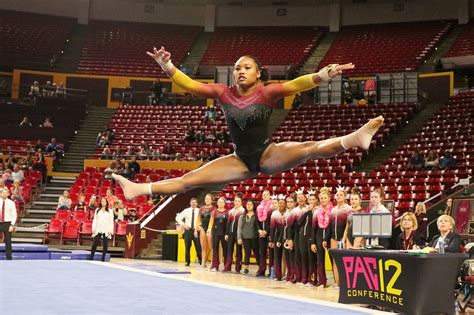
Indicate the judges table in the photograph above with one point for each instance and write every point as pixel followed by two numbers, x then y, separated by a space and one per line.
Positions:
pixel 404 282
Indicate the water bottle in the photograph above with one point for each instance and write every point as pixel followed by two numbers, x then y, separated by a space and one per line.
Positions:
pixel 441 246
pixel 340 245
pixel 272 273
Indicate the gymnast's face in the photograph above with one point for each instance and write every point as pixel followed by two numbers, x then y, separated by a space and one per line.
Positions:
pixel 246 72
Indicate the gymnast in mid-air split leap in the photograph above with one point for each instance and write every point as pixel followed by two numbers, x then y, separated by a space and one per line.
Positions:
pixel 248 106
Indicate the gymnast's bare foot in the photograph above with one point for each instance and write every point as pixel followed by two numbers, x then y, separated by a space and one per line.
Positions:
pixel 130 189
pixel 363 136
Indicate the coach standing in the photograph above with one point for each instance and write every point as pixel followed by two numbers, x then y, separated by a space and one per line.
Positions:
pixel 187 220
pixel 7 220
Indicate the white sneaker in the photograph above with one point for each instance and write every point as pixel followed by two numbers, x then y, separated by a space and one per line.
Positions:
pixel 213 269
pixel 308 285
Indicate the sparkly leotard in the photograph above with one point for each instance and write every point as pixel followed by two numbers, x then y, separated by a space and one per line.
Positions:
pixel 247 116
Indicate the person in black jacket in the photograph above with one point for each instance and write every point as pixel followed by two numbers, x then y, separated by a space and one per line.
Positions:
pixel 277 226
pixel 447 241
pixel 305 226
pixel 231 235
pixel 410 238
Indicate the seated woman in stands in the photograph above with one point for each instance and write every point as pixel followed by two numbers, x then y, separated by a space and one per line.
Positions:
pixel 248 106
pixel 410 238
pixel 64 201
pixel 16 191
pixel 81 203
pixel 447 241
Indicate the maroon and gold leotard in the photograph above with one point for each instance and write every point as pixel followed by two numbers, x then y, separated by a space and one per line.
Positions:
pixel 247 116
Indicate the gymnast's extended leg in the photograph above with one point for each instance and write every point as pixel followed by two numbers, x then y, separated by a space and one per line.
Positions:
pixel 283 156
pixel 224 170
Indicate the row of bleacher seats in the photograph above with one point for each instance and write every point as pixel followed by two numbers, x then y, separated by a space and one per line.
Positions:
pixel 464 44
pixel 380 48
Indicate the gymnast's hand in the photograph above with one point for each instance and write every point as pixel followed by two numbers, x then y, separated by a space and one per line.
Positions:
pixel 333 70
pixel 162 57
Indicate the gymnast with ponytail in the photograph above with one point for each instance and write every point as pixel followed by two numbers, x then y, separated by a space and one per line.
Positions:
pixel 248 106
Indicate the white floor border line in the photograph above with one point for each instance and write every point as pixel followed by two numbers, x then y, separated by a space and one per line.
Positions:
pixel 231 287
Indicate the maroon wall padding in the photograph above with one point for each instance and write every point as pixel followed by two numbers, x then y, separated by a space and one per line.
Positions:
pixel 98 88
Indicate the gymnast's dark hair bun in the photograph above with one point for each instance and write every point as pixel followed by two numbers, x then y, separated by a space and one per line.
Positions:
pixel 355 190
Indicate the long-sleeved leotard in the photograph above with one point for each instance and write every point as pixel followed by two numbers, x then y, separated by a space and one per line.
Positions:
pixel 247 116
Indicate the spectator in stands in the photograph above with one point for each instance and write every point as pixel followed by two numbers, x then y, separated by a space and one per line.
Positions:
pixel 47 123
pixel 190 156
pixel 102 227
pixel 199 136
pixel 297 101
pixel 127 96
pixel 432 160
pixel 100 139
pixel 222 137
pixel 210 115
pixel 81 204
pixel 447 162
pixel 61 90
pixel 111 198
pixel 7 176
pixel 190 135
pixel 134 165
pixel 209 137
pixel 145 152
pixel 11 161
pixel 132 215
pixel 2 184
pixel 25 122
pixel 106 154
pixel 34 92
pixel 421 218
pixel 117 154
pixel 93 204
pixel 156 155
pixel 16 192
pixel 27 162
pixel 129 153
pixel 447 241
pixel 416 162
pixel 410 238
pixel 64 201
pixel 127 172
pixel 156 92
pixel 449 207
pixel 202 156
pixel 39 164
pixel 111 169
pixel 212 155
pixel 168 150
pixel 17 173
pixel 48 90
pixel 118 213
pixel 53 146
pixel 29 149
pixel 39 146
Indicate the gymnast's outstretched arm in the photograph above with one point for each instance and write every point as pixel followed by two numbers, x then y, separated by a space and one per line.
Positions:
pixel 163 58
pixel 304 82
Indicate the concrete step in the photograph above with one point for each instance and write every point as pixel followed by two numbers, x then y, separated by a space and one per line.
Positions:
pixel 36 233
pixel 50 195
pixel 27 240
pixel 52 189
pixel 56 179
pixel 33 221
pixel 42 211
pixel 45 203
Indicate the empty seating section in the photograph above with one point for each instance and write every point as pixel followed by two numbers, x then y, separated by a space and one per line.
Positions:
pixel 32 38
pixel 119 48
pixel 383 48
pixel 135 124
pixel 464 44
pixel 450 129
pixel 272 45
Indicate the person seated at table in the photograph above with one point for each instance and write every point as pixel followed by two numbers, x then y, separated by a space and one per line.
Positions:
pixel 410 238
pixel 447 239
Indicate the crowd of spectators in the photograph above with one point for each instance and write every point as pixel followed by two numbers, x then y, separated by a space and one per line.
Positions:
pixel 47 90
pixel 431 161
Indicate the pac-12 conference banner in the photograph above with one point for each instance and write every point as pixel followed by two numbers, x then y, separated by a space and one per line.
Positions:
pixel 412 284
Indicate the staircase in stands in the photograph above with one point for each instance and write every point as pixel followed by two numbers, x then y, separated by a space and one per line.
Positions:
pixel 84 142
pixel 41 211
pixel 318 54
